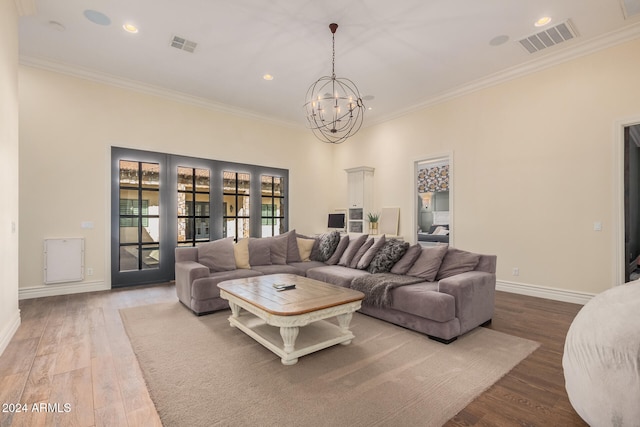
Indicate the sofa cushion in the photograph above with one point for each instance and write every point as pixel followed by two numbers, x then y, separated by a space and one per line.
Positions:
pixel 217 255
pixel 315 252
pixel 371 253
pixel 206 287
pixel 335 274
pixel 278 247
pixel 358 256
pixel 305 246
pixel 428 263
pixel 259 251
pixel 404 264
pixel 241 253
pixel 424 300
pixel 351 250
pixel 307 265
pixel 342 246
pixel 292 246
pixel 457 261
pixel 327 245
pixel 387 256
pixel 278 269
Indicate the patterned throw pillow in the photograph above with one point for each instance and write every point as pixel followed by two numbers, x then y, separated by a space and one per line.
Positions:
pixel 387 256
pixel 328 244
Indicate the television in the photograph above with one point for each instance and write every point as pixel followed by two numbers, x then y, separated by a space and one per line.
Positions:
pixel 336 221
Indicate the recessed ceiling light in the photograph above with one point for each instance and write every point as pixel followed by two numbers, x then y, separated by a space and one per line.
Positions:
pixel 97 17
pixel 542 21
pixel 267 77
pixel 130 28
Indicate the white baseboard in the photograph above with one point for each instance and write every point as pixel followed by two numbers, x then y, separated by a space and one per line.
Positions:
pixel 544 292
pixel 61 289
pixel 9 331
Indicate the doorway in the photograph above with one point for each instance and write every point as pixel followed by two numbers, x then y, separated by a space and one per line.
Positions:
pixel 631 168
pixel 433 191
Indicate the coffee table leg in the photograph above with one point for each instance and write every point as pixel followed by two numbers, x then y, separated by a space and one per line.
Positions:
pixel 289 335
pixel 235 310
pixel 344 320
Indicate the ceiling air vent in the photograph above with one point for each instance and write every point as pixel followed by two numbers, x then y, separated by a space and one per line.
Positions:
pixel 549 37
pixel 183 44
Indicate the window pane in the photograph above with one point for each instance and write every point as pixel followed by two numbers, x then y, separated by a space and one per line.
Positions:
pixel 150 256
pixel 128 258
pixel 150 199
pixel 150 175
pixel 185 179
pixel 244 183
pixel 202 228
pixel 185 229
pixel 278 207
pixel 278 184
pixel 128 173
pixel 243 228
pixel 203 180
pixel 129 233
pixel 229 182
pixel 230 205
pixel 266 185
pixel 243 206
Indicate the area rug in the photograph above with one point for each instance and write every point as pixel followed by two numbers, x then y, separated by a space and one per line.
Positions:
pixel 202 372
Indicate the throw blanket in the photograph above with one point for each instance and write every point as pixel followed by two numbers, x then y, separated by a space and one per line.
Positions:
pixel 377 287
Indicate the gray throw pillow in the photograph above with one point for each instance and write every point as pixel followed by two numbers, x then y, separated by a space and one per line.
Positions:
pixel 217 255
pixel 373 250
pixel 342 246
pixel 327 246
pixel 428 262
pixel 352 249
pixel 407 260
pixel 293 253
pixel 358 256
pixel 457 261
pixel 259 251
pixel 387 256
pixel 278 248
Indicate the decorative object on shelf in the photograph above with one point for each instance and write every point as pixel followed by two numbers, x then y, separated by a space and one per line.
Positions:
pixel 333 105
pixel 373 222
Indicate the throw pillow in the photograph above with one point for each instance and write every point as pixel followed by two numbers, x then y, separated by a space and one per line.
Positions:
pixel 327 246
pixel 315 252
pixel 342 245
pixel 358 256
pixel 428 262
pixel 241 253
pixel 352 249
pixel 407 260
pixel 293 253
pixel 373 250
pixel 217 255
pixel 259 251
pixel 305 246
pixel 457 261
pixel 387 256
pixel 278 247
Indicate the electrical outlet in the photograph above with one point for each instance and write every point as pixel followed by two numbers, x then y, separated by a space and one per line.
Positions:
pixel 89 271
pixel 516 271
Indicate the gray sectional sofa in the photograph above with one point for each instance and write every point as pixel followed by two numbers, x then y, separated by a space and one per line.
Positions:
pixel 440 291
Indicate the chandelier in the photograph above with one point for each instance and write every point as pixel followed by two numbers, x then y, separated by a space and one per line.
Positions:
pixel 333 106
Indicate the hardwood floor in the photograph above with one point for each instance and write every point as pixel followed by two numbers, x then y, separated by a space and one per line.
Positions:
pixel 73 349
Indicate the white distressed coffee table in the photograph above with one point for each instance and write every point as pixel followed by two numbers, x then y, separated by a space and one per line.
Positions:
pixel 291 323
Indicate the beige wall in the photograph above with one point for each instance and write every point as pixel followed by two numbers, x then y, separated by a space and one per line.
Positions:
pixel 68 125
pixel 533 163
pixel 9 313
pixel 533 167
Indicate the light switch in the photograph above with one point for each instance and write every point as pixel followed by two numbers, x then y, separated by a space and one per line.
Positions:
pixel 87 224
pixel 597 226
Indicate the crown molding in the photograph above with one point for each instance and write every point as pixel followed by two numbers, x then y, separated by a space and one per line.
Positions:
pixel 137 86
pixel 26 7
pixel 575 51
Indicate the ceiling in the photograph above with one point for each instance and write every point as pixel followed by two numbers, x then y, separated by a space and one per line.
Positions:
pixel 402 55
